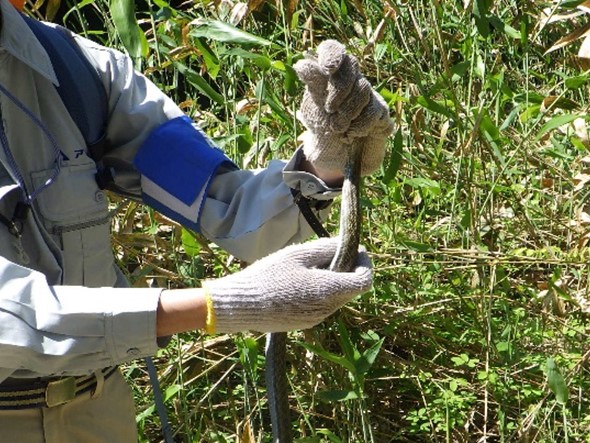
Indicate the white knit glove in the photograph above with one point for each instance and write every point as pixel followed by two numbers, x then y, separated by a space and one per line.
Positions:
pixel 340 109
pixel 290 289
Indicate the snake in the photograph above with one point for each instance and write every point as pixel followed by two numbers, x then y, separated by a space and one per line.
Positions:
pixel 277 385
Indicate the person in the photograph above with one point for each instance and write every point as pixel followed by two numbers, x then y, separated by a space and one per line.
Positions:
pixel 67 315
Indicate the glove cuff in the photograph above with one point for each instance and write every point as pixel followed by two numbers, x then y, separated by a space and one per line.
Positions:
pixel 211 320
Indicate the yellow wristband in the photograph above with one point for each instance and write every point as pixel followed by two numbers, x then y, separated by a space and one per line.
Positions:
pixel 210 321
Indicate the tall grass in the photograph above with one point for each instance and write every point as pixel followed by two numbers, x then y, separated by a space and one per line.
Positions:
pixel 477 327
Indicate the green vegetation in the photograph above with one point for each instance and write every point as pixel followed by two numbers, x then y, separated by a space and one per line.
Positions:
pixel 477 326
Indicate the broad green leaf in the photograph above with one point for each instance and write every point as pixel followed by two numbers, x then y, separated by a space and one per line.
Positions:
pixel 480 10
pixel 510 118
pixel 391 97
pixel 224 32
pixel 368 357
pixel 133 38
pixel 395 159
pixel 501 26
pixel 480 66
pixel 278 65
pixel 416 246
pixel 338 359
pixel 555 123
pixel 489 127
pixel 460 360
pixel 466 219
pixel 210 58
pixel 424 183
pixel 556 382
pixel 529 113
pixel 200 83
pixel 350 350
pixel 248 347
pixel 259 60
pixel 460 69
pixel 434 106
pixel 576 82
pixel 291 81
pixel 191 246
pixel 529 98
pixel 503 346
pixel 579 144
pixel 332 396
pixel 343 9
pixel 245 141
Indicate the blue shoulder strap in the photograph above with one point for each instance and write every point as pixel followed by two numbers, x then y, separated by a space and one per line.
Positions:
pixel 80 87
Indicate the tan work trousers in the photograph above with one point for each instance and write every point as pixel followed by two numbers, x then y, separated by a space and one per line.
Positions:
pixel 106 415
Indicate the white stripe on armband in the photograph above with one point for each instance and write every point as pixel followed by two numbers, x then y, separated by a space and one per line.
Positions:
pixel 170 206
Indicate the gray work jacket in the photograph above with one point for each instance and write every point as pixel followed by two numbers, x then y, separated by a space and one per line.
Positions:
pixel 64 306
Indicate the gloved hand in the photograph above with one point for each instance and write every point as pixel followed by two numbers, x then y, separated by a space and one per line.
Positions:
pixel 290 289
pixel 339 109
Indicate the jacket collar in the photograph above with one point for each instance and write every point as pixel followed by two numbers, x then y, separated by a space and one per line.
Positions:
pixel 18 40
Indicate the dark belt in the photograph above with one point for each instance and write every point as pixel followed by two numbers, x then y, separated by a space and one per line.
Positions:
pixel 48 393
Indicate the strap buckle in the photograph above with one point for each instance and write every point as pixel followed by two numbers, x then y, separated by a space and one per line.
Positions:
pixel 60 392
pixel 312 219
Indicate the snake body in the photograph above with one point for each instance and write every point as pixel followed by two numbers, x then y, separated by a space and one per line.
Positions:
pixel 277 385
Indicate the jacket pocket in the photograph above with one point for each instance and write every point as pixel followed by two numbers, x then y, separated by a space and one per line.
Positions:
pixel 75 212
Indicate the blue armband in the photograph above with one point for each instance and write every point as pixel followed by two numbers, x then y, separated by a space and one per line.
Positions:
pixel 177 163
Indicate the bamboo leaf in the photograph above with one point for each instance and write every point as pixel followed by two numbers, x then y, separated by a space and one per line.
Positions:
pixel 259 60
pixel 200 83
pixel 350 351
pixel 224 32
pixel 364 363
pixel 191 246
pixel 434 106
pixel 210 58
pixel 338 359
pixel 489 127
pixel 480 10
pixel 555 123
pixel 133 38
pixel 416 246
pixel 337 395
pixel 504 27
pixel 395 159
pixel 556 382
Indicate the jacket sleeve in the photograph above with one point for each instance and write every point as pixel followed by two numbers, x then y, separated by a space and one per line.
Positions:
pixel 160 156
pixel 70 330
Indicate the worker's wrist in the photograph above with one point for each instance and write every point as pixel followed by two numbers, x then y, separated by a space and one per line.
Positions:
pixel 298 175
pixel 181 310
pixel 333 179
